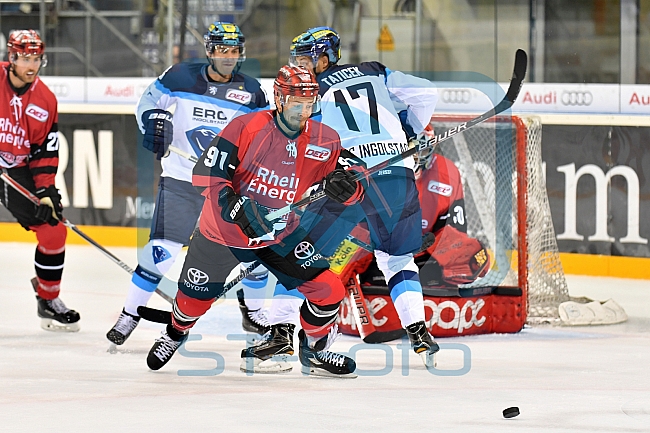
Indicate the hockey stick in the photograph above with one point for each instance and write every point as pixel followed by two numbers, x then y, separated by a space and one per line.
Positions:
pixel 182 153
pixel 518 74
pixel 162 316
pixel 165 317
pixel 31 197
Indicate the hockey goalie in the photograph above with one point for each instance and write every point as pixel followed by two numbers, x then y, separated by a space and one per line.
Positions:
pixel 448 260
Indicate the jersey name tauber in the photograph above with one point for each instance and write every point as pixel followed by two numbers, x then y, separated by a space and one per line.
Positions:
pixel 361 103
pixel 203 108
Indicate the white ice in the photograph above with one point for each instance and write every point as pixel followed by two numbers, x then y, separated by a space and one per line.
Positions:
pixel 587 379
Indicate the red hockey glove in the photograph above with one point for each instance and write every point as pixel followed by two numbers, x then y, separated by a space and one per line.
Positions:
pixel 462 259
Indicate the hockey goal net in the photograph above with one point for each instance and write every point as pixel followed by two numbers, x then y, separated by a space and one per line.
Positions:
pixel 507 207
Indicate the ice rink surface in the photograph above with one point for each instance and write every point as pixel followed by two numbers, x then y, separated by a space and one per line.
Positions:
pixel 585 379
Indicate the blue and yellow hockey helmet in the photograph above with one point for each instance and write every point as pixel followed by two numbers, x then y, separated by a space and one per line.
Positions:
pixel 314 42
pixel 228 35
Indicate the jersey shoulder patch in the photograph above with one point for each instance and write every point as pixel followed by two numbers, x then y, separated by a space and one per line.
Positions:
pixel 372 68
pixel 182 76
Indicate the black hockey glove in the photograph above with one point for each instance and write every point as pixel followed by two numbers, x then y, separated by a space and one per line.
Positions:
pixel 245 213
pixel 340 185
pixel 50 210
pixel 158 131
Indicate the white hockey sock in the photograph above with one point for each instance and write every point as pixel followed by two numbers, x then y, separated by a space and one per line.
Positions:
pixel 135 298
pixel 401 273
pixel 410 308
pixel 254 292
pixel 285 306
pixel 254 285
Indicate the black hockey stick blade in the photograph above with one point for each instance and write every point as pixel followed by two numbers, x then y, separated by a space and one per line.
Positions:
pixel 154 315
pixel 518 75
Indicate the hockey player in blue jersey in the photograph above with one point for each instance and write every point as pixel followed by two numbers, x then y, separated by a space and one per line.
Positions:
pixel 374 109
pixel 207 97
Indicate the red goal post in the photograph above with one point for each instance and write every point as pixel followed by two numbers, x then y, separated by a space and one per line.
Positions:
pixel 507 207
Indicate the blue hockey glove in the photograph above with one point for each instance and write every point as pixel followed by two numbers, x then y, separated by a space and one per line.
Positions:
pixel 158 131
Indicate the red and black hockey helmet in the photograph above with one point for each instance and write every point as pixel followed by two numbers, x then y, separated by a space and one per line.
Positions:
pixel 25 42
pixel 295 81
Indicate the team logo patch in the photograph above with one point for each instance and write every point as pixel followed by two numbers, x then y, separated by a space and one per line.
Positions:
pixel 37 112
pixel 291 148
pixel 304 250
pixel 200 137
pixel 160 254
pixel 318 153
pixel 239 96
pixel 197 276
pixel 440 188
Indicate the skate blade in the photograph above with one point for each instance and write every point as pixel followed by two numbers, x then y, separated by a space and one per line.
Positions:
pixel 277 364
pixel 319 372
pixel 112 349
pixel 54 326
pixel 428 359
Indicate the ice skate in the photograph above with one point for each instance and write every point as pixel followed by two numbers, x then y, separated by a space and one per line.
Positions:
pixel 270 354
pixel 125 325
pixel 254 321
pixel 422 343
pixel 318 361
pixel 55 316
pixel 164 348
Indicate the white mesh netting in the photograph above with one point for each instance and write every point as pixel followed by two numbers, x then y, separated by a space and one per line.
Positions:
pixel 486 156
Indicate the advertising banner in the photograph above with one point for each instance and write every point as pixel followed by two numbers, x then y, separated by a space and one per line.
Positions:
pixel 105 177
pixel 598 182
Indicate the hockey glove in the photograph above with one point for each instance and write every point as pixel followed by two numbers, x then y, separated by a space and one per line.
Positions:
pixel 50 210
pixel 158 131
pixel 245 213
pixel 461 258
pixel 340 185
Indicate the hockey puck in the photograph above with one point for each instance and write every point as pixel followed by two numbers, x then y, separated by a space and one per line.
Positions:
pixel 510 412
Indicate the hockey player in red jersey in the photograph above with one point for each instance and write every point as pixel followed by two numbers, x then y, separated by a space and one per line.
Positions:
pixel 29 153
pixel 259 162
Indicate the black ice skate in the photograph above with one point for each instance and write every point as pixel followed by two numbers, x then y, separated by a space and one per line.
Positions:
pixel 252 320
pixel 165 347
pixel 125 325
pixel 317 361
pixel 270 354
pixel 55 316
pixel 422 343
